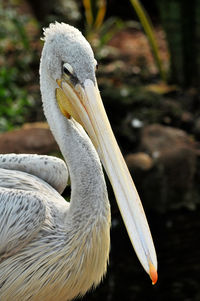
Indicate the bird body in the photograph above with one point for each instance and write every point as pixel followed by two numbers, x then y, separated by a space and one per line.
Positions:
pixel 50 249
pixel 42 238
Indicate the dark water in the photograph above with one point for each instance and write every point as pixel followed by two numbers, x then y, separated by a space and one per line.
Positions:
pixel 176 235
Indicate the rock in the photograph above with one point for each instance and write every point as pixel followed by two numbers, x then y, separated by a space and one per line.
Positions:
pixel 170 183
pixel 31 138
pixel 140 161
pixel 163 141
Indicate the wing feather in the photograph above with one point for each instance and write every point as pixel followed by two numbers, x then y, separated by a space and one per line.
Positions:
pixel 22 214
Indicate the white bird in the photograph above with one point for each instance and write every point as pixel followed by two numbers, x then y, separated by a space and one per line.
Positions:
pixel 50 249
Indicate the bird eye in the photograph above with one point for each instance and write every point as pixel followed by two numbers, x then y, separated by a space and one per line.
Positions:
pixel 96 65
pixel 67 69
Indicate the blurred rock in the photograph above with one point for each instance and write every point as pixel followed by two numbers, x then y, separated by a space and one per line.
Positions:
pixel 170 183
pixel 162 142
pixel 31 138
pixel 140 161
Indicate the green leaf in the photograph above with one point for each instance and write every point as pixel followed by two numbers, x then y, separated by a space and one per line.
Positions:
pixel 148 28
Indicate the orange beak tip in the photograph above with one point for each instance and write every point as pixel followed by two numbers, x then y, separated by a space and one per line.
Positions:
pixel 153 273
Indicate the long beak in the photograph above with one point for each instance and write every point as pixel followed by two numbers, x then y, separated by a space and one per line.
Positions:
pixel 85 105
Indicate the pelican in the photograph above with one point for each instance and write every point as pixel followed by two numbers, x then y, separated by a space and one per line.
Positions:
pixel 51 249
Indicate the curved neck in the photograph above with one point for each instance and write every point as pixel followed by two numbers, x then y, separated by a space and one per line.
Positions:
pixel 87 180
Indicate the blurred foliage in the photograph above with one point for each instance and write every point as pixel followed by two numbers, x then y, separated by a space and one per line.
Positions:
pixel 16 59
pixel 180 19
pixel 16 34
pixel 98 30
pixel 148 28
pixel 94 13
pixel 15 103
pixel 20 49
pixel 59 10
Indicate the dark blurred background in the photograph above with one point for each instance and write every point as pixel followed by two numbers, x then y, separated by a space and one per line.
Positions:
pixel 149 65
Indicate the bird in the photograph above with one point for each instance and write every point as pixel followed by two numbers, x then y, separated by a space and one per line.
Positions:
pixel 51 249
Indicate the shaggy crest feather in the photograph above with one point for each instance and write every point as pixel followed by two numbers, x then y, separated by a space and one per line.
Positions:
pixel 60 28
